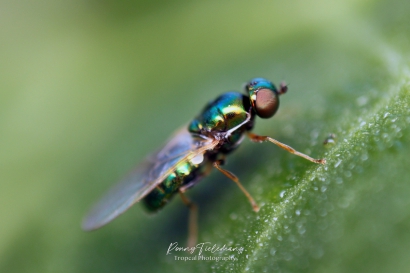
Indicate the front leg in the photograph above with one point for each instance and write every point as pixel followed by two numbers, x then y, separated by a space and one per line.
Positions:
pixel 257 138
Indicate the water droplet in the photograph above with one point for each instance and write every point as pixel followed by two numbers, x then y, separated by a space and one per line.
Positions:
pixel 282 193
pixel 330 140
pixel 272 251
pixel 338 163
pixel 362 100
pixel 322 212
pixel 301 230
pixel 297 212
pixel 344 201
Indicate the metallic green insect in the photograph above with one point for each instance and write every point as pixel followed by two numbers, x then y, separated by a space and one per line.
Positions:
pixel 192 153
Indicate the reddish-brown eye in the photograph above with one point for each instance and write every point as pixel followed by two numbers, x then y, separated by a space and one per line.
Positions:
pixel 267 103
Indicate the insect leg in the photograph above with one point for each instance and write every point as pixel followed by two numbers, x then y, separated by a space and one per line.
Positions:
pixel 234 178
pixel 257 138
pixel 193 219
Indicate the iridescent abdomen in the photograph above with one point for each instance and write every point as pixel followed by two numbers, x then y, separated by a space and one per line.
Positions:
pixel 184 174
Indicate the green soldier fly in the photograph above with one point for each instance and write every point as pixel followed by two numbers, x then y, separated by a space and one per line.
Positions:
pixel 192 153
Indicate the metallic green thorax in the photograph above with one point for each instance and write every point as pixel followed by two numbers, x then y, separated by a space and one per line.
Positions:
pixel 219 116
pixel 226 112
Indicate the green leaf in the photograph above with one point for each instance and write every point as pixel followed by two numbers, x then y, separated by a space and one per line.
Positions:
pixel 89 89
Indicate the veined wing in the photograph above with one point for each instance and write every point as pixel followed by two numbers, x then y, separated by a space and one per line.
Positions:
pixel 141 181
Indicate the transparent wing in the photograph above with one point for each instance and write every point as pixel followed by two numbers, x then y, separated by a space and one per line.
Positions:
pixel 141 181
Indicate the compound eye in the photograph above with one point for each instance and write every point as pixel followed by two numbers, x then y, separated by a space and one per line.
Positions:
pixel 267 103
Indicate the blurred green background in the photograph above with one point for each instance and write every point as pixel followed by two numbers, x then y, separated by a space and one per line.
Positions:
pixel 88 88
